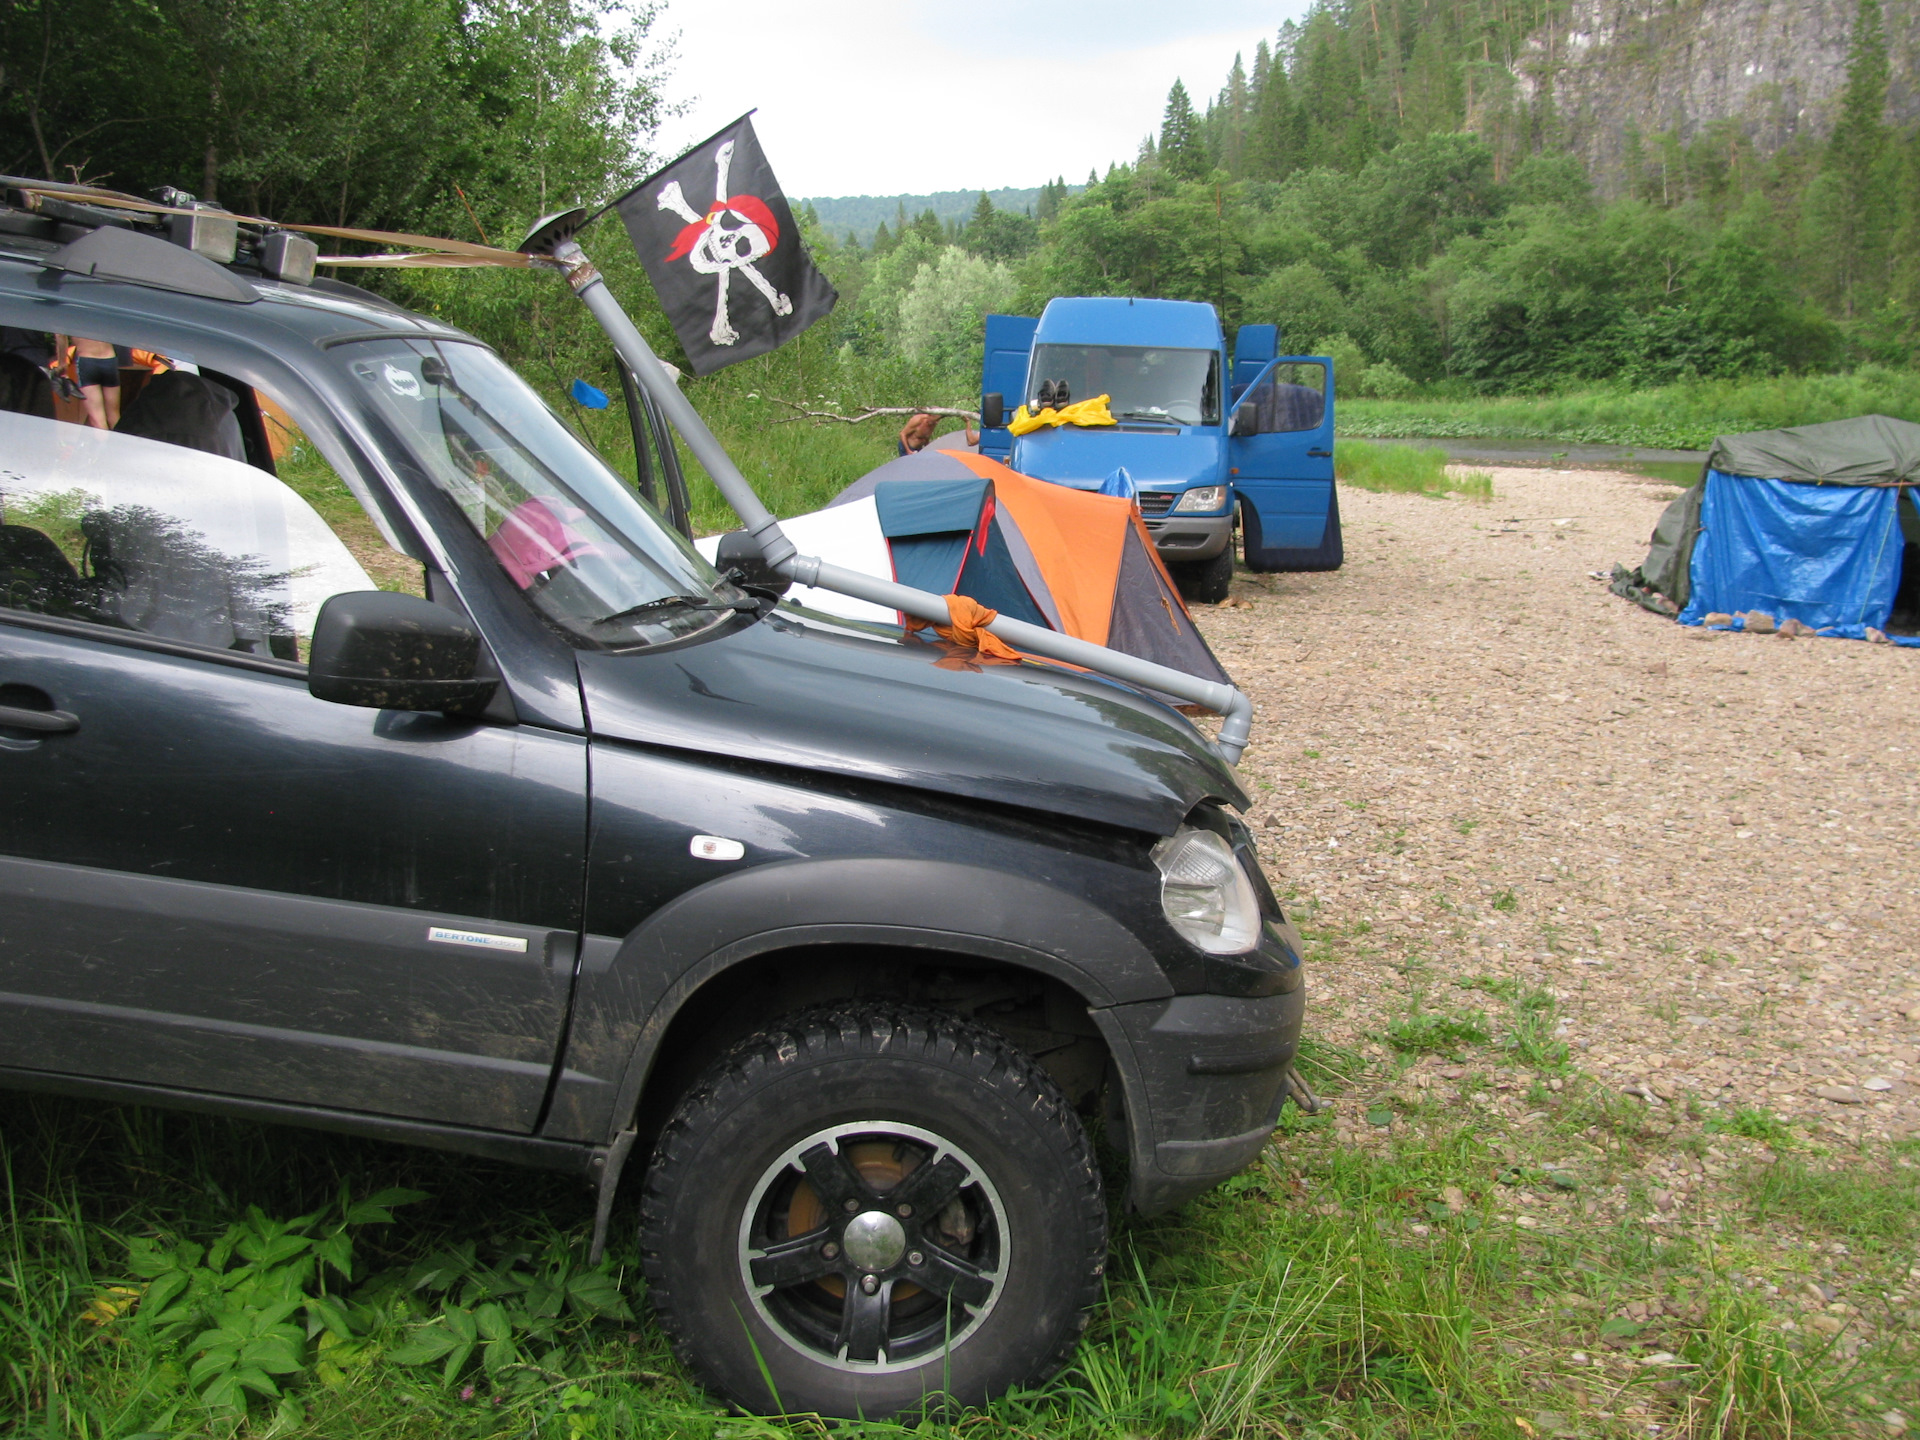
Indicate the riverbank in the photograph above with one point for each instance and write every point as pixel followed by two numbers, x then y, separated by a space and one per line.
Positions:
pixel 1683 417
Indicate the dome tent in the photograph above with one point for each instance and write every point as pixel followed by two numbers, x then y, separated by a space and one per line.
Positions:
pixel 1815 523
pixel 955 522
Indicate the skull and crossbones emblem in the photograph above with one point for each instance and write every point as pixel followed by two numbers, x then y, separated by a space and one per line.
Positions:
pixel 736 231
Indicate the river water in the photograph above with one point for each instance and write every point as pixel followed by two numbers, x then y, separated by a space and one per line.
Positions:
pixel 1552 454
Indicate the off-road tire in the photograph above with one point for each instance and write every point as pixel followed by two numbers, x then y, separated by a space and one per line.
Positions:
pixel 1205 582
pixel 847 1065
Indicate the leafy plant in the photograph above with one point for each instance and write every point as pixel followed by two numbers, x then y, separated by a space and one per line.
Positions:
pixel 507 1314
pixel 1506 901
pixel 231 1306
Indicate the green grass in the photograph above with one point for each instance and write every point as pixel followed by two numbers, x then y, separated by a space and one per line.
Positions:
pixel 1877 1210
pixel 1405 470
pixel 173 1275
pixel 1680 417
pixel 1438 1032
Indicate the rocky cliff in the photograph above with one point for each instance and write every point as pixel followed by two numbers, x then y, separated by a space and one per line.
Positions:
pixel 1768 71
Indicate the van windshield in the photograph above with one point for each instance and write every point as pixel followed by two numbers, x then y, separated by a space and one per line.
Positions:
pixel 1176 387
pixel 588 552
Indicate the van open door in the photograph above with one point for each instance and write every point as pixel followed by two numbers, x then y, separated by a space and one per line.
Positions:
pixel 1280 457
pixel 1003 372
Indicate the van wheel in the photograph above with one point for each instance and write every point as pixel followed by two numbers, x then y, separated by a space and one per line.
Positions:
pixel 870 1205
pixel 1206 582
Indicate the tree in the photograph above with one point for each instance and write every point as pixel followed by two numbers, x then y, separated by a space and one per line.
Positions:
pixel 999 235
pixel 1230 114
pixel 1854 194
pixel 942 316
pixel 1274 140
pixel 1183 150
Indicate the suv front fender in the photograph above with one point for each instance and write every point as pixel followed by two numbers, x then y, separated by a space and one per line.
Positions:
pixel 630 989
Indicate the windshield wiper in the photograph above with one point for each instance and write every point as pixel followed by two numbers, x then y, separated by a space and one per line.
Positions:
pixel 679 602
pixel 1162 416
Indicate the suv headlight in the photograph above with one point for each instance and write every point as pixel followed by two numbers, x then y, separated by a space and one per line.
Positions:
pixel 1202 497
pixel 1207 897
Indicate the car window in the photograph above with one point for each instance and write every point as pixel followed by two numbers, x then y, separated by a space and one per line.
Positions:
pixel 1290 397
pixel 300 463
pixel 161 538
pixel 1178 387
pixel 586 550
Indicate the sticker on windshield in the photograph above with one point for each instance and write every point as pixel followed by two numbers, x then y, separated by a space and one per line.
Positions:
pixel 403 383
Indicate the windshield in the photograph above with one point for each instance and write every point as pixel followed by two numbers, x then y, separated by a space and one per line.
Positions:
pixel 1179 387
pixel 589 553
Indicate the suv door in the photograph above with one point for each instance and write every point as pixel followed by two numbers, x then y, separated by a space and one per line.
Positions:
pixel 212 881
pixel 1280 452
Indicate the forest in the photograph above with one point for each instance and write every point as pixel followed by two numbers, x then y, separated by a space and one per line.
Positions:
pixel 1372 180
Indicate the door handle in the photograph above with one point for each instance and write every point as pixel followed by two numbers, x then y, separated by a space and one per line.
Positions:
pixel 47 722
pixel 1321 454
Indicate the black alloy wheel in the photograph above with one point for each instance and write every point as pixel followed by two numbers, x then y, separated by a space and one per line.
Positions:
pixel 867 1207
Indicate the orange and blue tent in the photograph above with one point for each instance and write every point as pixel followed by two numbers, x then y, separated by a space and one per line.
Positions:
pixel 954 522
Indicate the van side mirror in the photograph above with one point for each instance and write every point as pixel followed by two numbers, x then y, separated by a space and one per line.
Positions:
pixel 1246 421
pixel 993 411
pixel 387 651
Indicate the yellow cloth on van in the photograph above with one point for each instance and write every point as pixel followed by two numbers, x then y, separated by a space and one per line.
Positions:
pixel 1081 412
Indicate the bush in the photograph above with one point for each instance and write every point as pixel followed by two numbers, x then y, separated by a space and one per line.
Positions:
pixel 1383 380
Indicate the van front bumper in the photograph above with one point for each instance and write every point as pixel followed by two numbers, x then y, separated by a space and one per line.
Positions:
pixel 1204 1077
pixel 1184 538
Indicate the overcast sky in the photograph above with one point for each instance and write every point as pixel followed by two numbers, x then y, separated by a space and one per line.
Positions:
pixel 908 97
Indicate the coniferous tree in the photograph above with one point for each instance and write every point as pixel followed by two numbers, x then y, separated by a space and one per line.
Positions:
pixel 1854 194
pixel 1906 245
pixel 1432 89
pixel 1231 112
pixel 1183 151
pixel 1273 139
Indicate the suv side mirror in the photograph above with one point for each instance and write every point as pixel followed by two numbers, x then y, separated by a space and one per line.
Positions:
pixel 993 411
pixel 1246 421
pixel 738 555
pixel 396 652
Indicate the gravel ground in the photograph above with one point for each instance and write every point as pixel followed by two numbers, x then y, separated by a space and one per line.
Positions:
pixel 1470 759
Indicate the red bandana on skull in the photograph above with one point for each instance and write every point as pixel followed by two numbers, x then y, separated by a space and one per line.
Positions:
pixel 735 232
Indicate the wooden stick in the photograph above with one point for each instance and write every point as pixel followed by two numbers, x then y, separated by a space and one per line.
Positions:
pixel 870 413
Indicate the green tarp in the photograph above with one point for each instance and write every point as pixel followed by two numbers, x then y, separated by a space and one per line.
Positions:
pixel 1871 450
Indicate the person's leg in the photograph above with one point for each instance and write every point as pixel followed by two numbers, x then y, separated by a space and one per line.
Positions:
pixel 94 397
pixel 110 401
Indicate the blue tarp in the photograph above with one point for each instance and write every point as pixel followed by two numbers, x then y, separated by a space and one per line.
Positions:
pixel 1825 555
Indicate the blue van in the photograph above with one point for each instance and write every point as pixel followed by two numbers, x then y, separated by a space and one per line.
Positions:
pixel 1210 442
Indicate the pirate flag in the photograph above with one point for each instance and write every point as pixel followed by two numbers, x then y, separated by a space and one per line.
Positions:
pixel 724 254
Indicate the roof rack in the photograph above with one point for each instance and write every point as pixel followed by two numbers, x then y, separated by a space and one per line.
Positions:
pixel 64 215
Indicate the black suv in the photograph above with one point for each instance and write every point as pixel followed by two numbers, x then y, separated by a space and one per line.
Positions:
pixel 580 847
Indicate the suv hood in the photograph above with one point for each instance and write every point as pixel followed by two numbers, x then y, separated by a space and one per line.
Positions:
pixel 901 712
pixel 1156 458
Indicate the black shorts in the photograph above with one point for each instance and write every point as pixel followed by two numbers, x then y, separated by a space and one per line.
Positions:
pixel 96 370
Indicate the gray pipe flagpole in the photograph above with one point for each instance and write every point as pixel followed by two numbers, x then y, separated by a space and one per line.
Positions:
pixel 555 237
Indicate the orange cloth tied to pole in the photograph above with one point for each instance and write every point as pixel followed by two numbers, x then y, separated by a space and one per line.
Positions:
pixel 968 628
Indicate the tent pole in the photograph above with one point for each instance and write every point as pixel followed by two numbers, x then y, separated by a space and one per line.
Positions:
pixel 1227 701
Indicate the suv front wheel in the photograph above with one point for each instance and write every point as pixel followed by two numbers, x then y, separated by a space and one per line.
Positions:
pixel 868 1206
